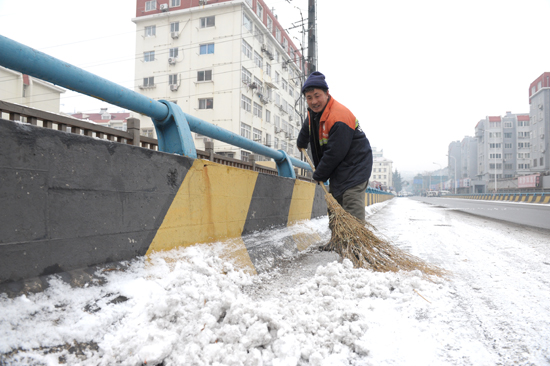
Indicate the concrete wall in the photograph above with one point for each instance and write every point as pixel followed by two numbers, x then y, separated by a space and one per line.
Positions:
pixel 71 202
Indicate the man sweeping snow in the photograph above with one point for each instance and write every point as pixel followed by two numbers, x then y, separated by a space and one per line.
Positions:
pixel 341 151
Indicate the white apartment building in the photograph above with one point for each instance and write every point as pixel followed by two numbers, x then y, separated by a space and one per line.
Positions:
pixel 227 62
pixel 382 170
pixel 19 88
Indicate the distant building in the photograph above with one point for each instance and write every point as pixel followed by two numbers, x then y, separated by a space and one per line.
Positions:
pixel 105 118
pixel 382 171
pixel 23 89
pixel 503 147
pixel 539 100
pixel 228 62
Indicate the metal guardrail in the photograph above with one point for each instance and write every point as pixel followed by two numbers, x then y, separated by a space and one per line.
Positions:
pixel 37 117
pixel 172 125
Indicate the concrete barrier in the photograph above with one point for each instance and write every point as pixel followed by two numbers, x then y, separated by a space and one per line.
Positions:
pixel 71 202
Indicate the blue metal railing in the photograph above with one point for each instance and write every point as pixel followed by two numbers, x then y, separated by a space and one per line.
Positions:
pixel 172 125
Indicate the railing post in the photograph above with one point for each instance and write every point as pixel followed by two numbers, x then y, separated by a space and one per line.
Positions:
pixel 133 127
pixel 209 147
pixel 252 160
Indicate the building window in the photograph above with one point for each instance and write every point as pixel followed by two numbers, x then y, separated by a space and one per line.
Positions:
pixel 175 27
pixel 523 134
pixel 150 5
pixel 173 79
pixel 245 156
pixel 268 116
pixel 494 124
pixel 270 24
pixel 149 56
pixel 174 3
pixel 204 75
pixel 257 110
pixel 206 49
pixel 285 85
pixel 285 44
pixel 206 103
pixel 523 123
pixel 246 104
pixel 174 52
pixel 508 135
pixel 151 31
pixel 541 161
pixel 259 11
pixel 276 77
pixel 278 35
pixel 276 143
pixel 246 76
pixel 208 21
pixel 257 135
pixel 508 145
pixel 495 146
pixel 508 166
pixel 268 139
pixel 247 23
pixel 149 82
pixel 495 156
pixel 247 50
pixel 249 2
pixel 245 130
pixel 291 92
pixel 277 121
pixel 268 69
pixel 258 60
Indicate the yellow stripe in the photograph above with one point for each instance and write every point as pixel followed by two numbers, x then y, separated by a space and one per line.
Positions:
pixel 211 205
pixel 303 195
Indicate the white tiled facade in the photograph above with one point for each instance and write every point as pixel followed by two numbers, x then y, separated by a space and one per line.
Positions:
pixel 220 63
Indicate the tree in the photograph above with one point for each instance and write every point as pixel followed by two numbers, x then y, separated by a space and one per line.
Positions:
pixel 397 181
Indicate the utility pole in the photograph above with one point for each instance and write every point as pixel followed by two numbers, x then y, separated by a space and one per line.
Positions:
pixel 311 39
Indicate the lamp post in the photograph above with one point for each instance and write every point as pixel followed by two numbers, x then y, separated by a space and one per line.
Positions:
pixel 454 183
pixel 440 177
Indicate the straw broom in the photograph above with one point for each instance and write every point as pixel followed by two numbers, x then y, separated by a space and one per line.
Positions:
pixel 352 239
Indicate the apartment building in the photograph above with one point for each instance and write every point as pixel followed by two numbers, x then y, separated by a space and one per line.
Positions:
pixel 539 101
pixel 382 170
pixel 503 146
pixel 228 62
pixel 19 88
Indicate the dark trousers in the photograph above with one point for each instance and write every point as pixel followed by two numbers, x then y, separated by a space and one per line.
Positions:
pixel 353 200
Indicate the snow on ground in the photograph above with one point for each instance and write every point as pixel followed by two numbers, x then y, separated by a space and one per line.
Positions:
pixel 189 307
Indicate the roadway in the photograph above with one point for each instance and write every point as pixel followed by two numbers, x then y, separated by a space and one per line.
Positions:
pixel 530 214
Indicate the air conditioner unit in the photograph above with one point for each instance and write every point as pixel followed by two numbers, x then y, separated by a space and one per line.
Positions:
pixel 174 35
pixel 174 87
pixel 252 85
pixel 163 7
pixel 285 66
pixel 172 60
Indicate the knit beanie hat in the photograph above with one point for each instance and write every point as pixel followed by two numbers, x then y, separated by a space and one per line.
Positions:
pixel 315 80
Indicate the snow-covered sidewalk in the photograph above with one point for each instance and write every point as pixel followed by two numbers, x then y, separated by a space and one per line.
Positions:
pixel 188 307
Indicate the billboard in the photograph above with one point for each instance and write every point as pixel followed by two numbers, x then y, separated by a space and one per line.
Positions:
pixel 529 181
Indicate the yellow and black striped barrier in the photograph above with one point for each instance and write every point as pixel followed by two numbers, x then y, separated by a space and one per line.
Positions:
pixel 538 197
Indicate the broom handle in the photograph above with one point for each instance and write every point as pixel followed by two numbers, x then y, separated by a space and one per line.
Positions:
pixel 312 167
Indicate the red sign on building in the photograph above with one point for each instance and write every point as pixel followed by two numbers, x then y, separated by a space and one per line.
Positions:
pixel 529 181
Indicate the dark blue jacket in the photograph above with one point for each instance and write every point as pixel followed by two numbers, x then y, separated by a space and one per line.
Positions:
pixel 341 151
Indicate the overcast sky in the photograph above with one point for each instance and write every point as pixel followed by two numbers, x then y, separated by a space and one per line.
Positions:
pixel 417 74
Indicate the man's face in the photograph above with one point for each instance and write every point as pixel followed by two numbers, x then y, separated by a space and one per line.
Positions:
pixel 316 100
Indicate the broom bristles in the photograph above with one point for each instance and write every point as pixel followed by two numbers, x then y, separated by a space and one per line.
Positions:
pixel 352 239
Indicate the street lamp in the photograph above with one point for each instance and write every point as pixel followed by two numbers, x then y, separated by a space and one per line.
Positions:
pixel 454 183
pixel 440 177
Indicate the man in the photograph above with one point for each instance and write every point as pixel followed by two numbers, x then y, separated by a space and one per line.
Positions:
pixel 341 151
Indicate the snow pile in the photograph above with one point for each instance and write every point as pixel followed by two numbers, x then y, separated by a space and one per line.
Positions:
pixel 188 306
